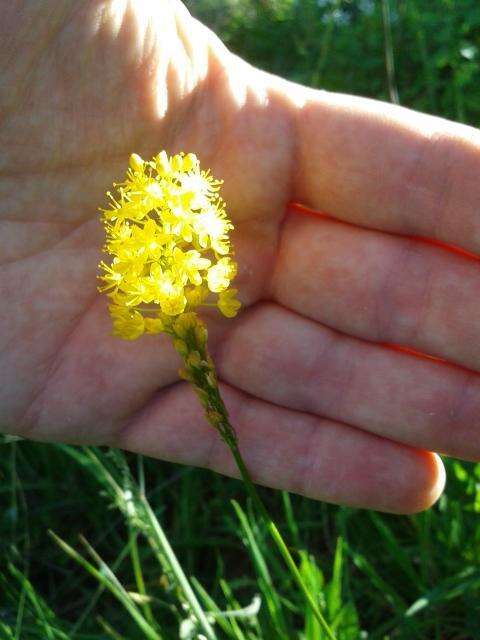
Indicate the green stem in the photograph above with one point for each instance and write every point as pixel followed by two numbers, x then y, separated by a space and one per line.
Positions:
pixel 389 57
pixel 200 372
pixel 279 542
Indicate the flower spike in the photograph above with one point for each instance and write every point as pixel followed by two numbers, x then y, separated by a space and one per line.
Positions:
pixel 168 234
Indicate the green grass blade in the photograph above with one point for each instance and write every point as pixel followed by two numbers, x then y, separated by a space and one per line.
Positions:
pixel 108 579
pixel 266 585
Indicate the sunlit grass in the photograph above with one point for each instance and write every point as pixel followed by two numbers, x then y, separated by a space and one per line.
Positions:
pixel 141 549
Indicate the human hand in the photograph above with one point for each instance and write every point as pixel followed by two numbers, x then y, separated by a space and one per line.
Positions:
pixel 322 407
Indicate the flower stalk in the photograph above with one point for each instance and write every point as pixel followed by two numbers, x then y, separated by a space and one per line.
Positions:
pixel 168 233
pixel 189 338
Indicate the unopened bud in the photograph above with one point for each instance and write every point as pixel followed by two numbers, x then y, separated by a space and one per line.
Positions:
pixel 201 334
pixel 185 375
pixel 194 360
pixel 211 379
pixel 180 346
pixel 136 163
pixel 213 417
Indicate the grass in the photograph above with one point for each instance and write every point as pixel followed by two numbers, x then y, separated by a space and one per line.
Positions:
pixel 95 544
pixel 84 554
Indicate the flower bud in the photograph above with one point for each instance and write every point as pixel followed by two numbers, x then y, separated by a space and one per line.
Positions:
pixel 194 360
pixel 136 162
pixel 180 347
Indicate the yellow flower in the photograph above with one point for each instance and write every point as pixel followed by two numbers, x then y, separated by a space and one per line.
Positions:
pixel 127 324
pixel 212 227
pixel 170 296
pixel 189 264
pixel 154 325
pixel 220 274
pixel 196 296
pixel 168 234
pixel 228 304
pixel 113 275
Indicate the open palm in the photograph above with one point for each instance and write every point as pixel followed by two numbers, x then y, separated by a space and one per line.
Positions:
pixel 322 405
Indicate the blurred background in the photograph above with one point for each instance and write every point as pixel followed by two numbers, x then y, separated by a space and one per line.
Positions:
pixel 349 45
pixel 375 576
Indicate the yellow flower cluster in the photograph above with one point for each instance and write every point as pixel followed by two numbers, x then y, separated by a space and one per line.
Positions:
pixel 168 233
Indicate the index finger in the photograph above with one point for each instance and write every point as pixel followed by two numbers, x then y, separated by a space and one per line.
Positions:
pixel 386 167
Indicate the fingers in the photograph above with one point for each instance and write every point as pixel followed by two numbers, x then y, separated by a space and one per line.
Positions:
pixel 294 362
pixel 381 287
pixel 289 450
pixel 387 167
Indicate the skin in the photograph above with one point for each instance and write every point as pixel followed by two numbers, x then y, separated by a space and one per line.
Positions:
pixel 322 405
